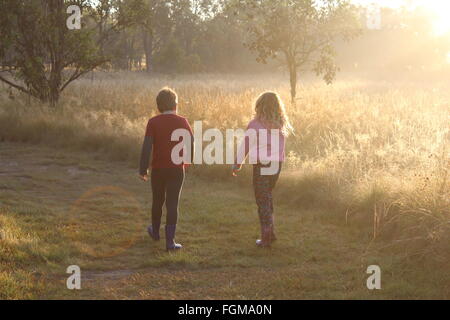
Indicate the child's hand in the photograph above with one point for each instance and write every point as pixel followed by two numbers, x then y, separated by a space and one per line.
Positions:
pixel 143 177
pixel 235 169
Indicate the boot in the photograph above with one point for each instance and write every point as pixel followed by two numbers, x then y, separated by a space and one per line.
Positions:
pixel 266 237
pixel 170 238
pixel 153 232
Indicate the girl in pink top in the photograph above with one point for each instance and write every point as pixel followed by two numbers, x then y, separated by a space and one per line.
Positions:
pixel 264 143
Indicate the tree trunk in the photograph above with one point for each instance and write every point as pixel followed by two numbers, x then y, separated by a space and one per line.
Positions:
pixel 54 83
pixel 148 48
pixel 54 97
pixel 293 81
pixel 54 88
pixel 292 67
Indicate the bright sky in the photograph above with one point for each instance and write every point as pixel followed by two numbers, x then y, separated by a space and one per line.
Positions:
pixel 440 9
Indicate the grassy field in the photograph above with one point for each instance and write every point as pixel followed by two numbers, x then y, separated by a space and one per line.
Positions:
pixel 55 214
pixel 366 182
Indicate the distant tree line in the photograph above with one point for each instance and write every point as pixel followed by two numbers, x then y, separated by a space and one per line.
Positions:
pixel 40 56
pixel 172 36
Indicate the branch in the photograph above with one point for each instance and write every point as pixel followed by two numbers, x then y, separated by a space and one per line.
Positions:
pixel 75 75
pixel 20 88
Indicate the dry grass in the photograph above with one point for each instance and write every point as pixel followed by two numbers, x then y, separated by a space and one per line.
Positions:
pixel 375 155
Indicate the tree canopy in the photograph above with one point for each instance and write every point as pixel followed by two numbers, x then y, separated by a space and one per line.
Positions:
pixel 302 31
pixel 40 56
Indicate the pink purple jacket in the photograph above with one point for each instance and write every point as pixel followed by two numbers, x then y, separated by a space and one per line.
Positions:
pixel 261 144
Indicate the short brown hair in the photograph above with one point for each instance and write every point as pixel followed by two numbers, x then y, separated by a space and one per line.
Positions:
pixel 167 100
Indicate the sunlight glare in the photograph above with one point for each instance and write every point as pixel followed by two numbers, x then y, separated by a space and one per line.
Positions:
pixel 440 9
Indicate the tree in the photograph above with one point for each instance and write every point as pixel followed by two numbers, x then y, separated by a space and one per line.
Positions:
pixel 303 31
pixel 38 47
pixel 173 59
pixel 43 56
pixel 151 17
pixel 219 42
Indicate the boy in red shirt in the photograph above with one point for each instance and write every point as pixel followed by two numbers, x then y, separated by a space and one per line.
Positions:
pixel 166 177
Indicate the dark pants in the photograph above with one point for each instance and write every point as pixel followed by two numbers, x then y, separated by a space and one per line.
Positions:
pixel 166 188
pixel 263 186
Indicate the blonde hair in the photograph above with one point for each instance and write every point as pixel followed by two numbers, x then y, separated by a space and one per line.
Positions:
pixel 271 112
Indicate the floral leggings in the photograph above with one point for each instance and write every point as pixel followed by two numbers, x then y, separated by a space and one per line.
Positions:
pixel 263 186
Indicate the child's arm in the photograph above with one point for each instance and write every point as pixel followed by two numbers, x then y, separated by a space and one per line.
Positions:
pixel 187 126
pixel 243 151
pixel 192 149
pixel 146 152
